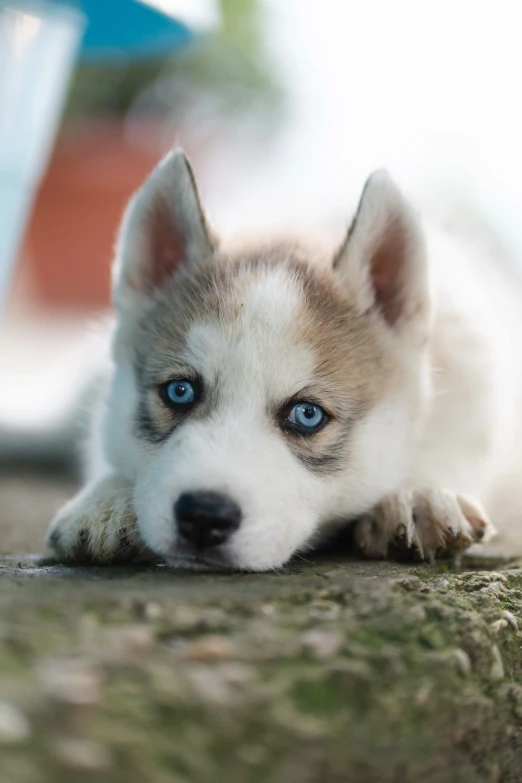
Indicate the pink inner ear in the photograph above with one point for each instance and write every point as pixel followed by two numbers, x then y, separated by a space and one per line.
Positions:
pixel 387 271
pixel 167 245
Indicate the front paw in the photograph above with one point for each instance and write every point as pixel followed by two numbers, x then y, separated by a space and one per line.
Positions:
pixel 428 523
pixel 97 526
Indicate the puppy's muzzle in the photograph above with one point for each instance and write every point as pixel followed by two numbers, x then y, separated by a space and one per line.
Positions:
pixel 206 519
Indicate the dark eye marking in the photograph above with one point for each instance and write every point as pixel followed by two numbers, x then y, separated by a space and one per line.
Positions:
pixel 327 464
pixel 178 397
pixel 303 416
pixel 147 429
pixel 330 458
pixel 180 394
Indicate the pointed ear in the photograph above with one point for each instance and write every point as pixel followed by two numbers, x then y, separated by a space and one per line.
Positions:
pixel 383 257
pixel 163 227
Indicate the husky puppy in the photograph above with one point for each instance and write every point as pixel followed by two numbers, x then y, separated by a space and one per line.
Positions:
pixel 260 398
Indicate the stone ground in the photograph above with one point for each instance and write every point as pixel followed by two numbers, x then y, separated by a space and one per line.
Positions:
pixel 332 670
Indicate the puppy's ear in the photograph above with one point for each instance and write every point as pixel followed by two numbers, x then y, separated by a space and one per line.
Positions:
pixel 383 258
pixel 163 227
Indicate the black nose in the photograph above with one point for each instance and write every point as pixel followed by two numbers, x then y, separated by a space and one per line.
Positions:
pixel 206 519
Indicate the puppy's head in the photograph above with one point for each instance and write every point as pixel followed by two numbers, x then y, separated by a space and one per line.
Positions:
pixel 260 395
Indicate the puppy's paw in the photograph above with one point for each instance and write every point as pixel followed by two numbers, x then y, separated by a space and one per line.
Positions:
pixel 430 523
pixel 98 525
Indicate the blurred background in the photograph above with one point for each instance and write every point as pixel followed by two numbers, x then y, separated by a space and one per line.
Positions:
pixel 284 107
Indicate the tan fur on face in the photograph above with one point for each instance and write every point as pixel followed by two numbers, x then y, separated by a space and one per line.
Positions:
pixel 259 329
pixel 351 362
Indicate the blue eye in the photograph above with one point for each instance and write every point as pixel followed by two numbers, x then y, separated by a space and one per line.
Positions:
pixel 180 392
pixel 307 416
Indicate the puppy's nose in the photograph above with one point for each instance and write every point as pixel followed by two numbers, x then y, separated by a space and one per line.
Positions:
pixel 206 519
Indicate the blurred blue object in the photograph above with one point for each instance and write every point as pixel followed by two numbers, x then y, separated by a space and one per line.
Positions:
pixel 39 42
pixel 128 28
pixel 123 29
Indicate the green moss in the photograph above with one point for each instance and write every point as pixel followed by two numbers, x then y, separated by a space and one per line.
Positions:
pixel 409 693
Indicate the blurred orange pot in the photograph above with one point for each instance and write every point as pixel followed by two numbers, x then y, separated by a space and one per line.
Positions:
pixel 69 243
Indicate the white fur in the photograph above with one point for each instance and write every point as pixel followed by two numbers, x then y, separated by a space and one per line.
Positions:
pixel 238 451
pixel 443 428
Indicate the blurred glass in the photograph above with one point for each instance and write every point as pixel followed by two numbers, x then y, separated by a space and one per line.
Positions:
pixel 38 42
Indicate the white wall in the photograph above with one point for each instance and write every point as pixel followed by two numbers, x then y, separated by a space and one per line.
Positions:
pixel 431 89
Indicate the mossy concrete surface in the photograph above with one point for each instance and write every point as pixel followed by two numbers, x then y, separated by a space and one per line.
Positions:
pixel 332 670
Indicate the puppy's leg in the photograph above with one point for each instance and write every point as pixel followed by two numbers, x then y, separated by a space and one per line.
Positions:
pixel 430 522
pixel 98 525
